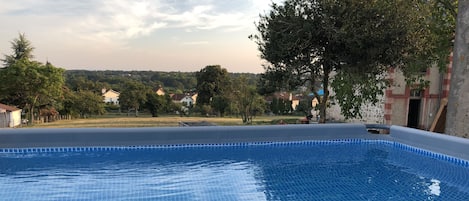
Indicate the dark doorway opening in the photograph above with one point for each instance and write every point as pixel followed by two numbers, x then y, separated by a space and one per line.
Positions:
pixel 414 113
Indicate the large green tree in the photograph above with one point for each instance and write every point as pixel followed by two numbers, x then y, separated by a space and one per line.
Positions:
pixel 221 103
pixel 347 45
pixel 154 103
pixel 213 83
pixel 29 84
pixel 133 96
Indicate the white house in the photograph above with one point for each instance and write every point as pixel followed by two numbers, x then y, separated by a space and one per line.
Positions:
pixel 111 96
pixel 9 116
pixel 185 99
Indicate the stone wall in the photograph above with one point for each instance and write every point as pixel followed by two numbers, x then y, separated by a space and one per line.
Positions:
pixel 372 114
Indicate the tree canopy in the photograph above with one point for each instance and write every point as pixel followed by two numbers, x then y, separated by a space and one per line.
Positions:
pixel 247 101
pixel 211 81
pixel 22 49
pixel 29 84
pixel 133 96
pixel 347 45
pixel 82 103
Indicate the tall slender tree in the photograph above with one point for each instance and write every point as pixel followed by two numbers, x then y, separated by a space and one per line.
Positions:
pixel 248 102
pixel 22 49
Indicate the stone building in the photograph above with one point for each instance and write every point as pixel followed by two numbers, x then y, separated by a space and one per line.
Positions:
pixel 406 105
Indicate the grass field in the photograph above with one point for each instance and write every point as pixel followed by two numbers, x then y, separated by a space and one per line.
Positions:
pixel 163 121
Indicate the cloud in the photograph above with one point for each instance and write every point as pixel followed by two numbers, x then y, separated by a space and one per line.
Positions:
pixel 127 19
pixel 88 29
pixel 62 8
pixel 119 20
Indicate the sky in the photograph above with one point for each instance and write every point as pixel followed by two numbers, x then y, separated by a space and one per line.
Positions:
pixel 157 35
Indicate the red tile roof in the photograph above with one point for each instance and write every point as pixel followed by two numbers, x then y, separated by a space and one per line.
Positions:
pixel 178 97
pixel 8 108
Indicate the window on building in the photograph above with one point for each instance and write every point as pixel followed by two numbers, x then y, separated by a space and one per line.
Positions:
pixel 416 93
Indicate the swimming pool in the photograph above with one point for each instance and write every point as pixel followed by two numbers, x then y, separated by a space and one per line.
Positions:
pixel 303 163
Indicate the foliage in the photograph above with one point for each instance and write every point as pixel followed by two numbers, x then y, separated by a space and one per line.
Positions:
pixel 84 103
pixel 249 103
pixel 356 89
pixel 169 106
pixel 133 96
pixel 221 103
pixel 442 23
pixel 280 106
pixel 29 84
pixel 170 81
pixel 305 41
pixel 154 103
pixel 304 107
pixel 111 107
pixel 205 109
pixel 211 81
pixel 22 50
pixel 81 83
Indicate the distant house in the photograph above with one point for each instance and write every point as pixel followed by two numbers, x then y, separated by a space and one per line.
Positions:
pixel 295 100
pixel 160 92
pixel 111 96
pixel 176 98
pixel 185 99
pixel 9 116
pixel 194 97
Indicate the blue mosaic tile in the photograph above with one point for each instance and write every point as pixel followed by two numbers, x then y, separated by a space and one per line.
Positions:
pixel 299 170
pixel 431 154
pixel 401 146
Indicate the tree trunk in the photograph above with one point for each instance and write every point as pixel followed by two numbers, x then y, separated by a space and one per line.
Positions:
pixel 325 97
pixel 457 116
pixel 31 115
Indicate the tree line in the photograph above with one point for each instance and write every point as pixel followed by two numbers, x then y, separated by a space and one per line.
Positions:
pixel 45 90
pixel 172 82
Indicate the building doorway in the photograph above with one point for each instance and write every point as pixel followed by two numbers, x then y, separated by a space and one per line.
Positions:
pixel 413 114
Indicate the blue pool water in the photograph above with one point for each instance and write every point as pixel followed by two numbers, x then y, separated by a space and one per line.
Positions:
pixel 350 170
